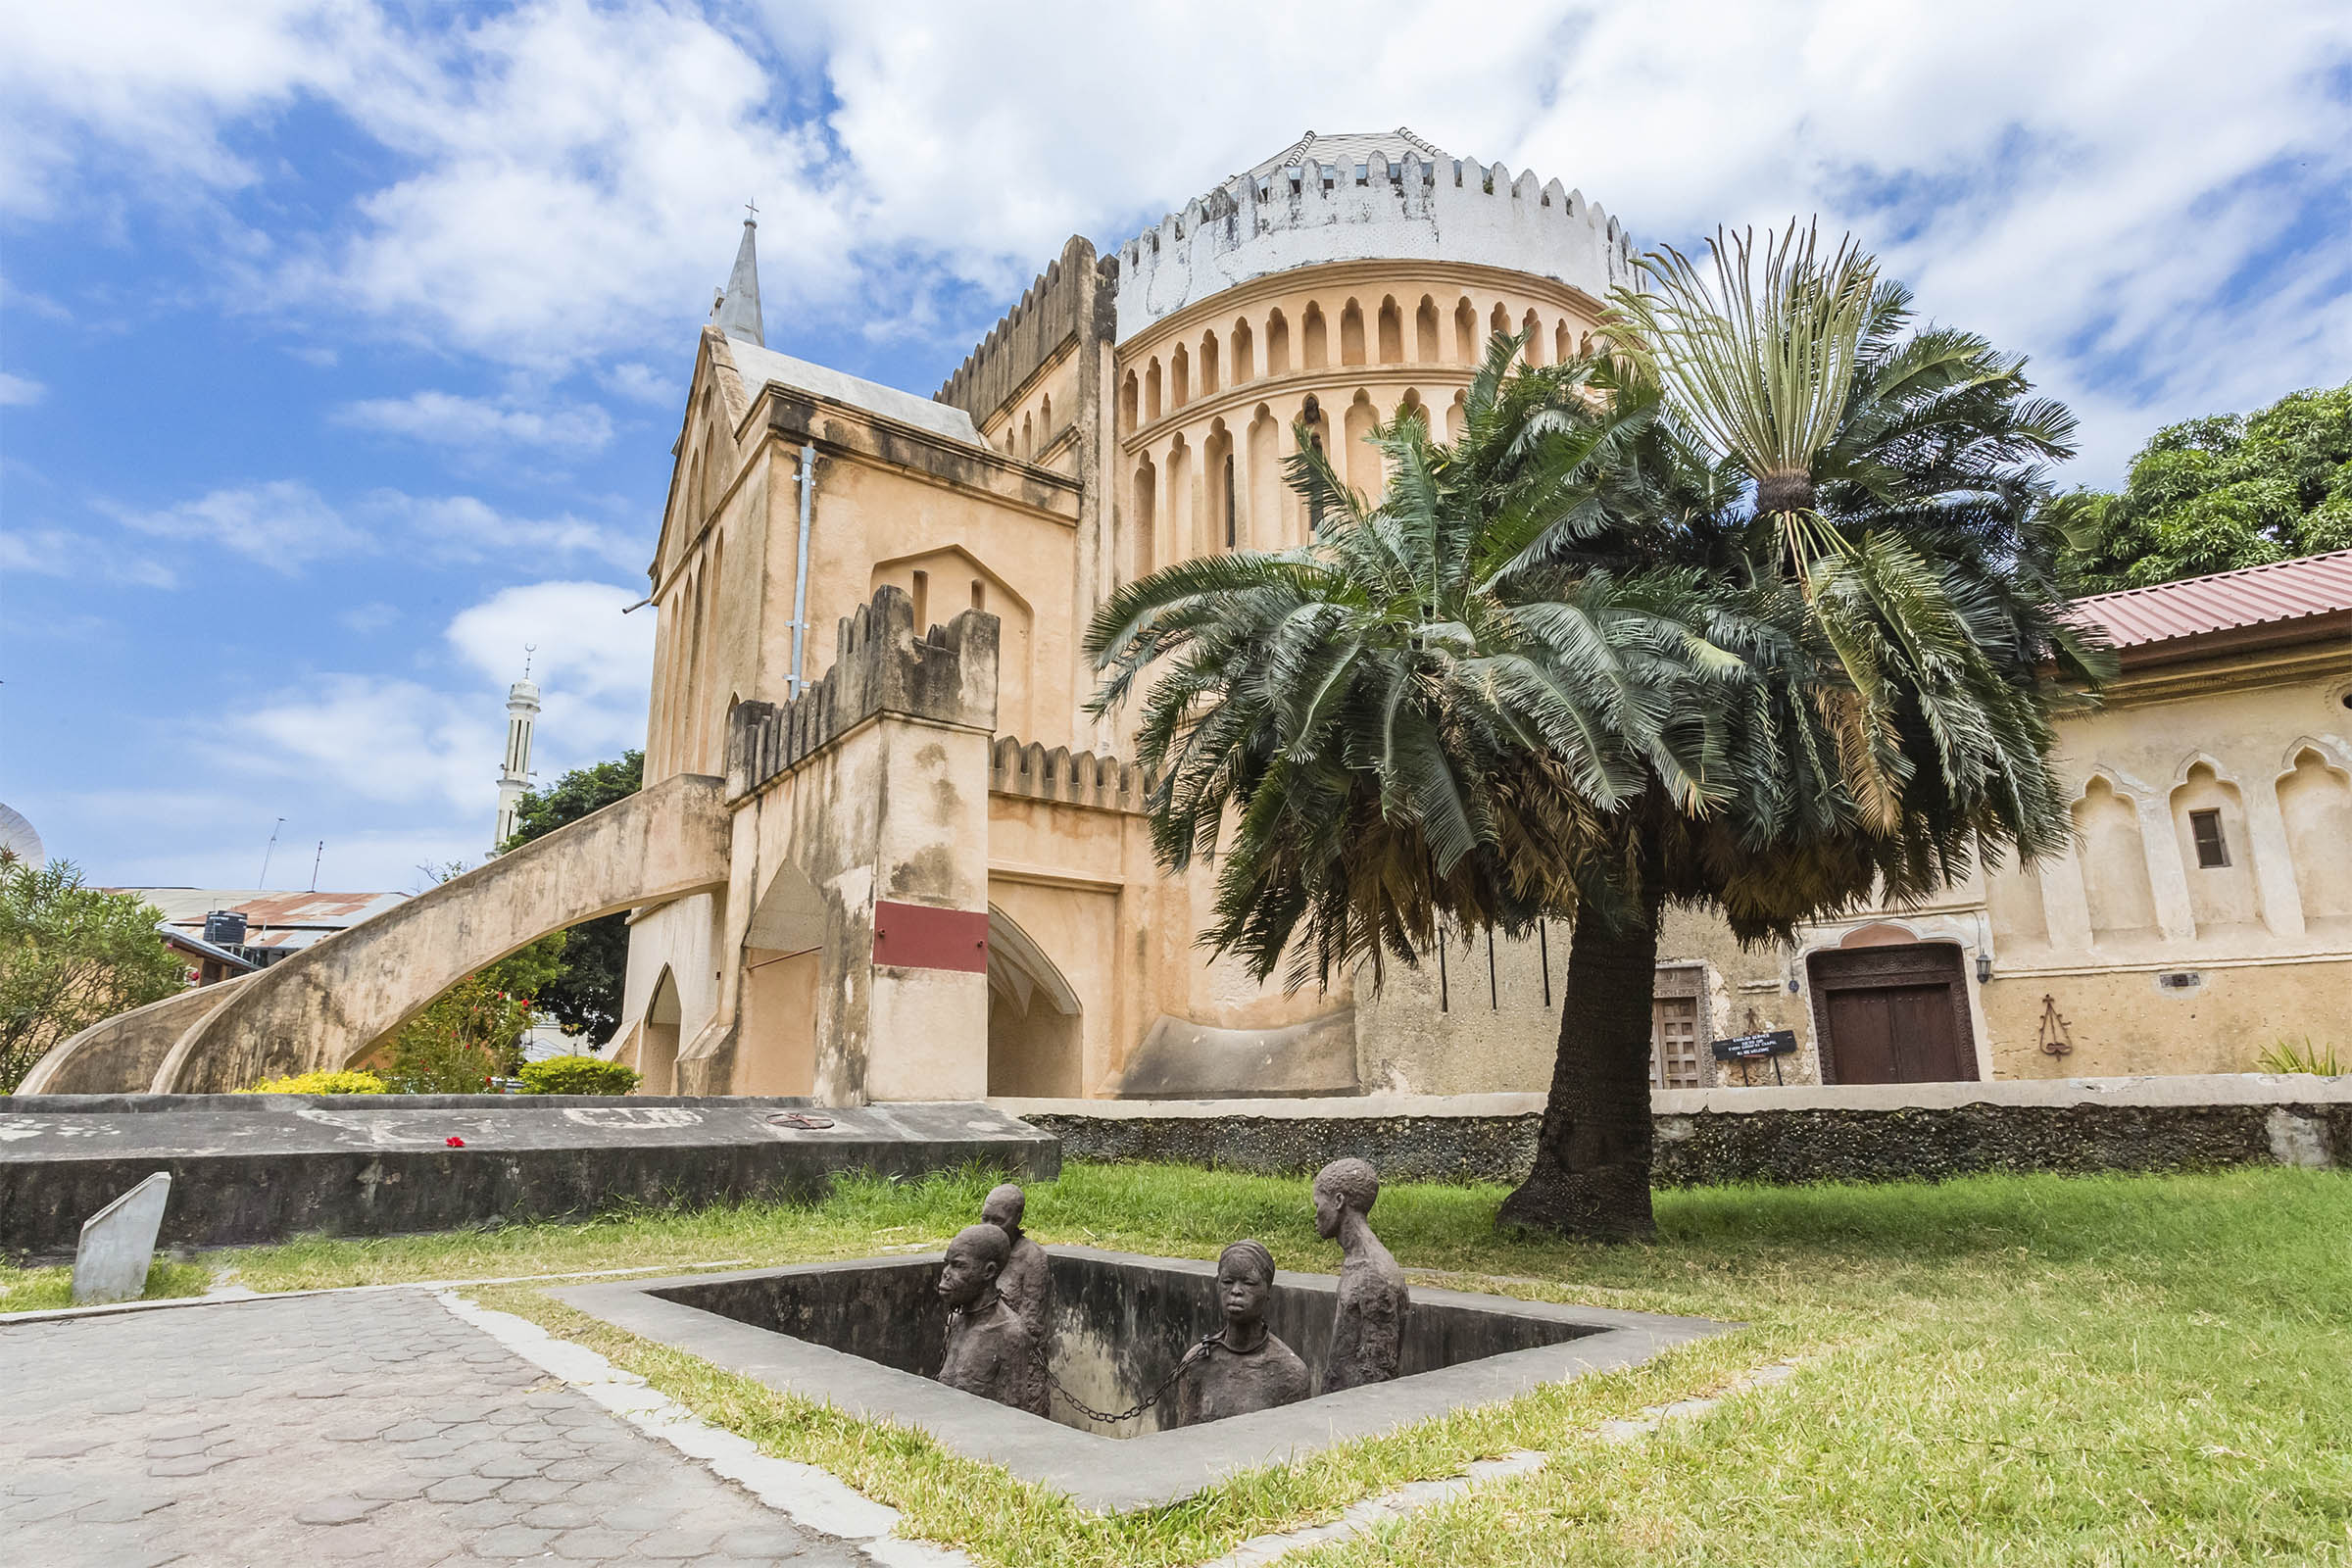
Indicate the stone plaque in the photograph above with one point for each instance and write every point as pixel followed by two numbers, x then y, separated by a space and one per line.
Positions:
pixel 118 1243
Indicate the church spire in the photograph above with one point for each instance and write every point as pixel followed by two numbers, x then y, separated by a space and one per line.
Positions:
pixel 737 311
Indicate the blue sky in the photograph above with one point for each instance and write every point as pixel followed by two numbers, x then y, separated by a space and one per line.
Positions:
pixel 341 345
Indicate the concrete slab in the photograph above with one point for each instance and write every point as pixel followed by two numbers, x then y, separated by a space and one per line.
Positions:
pixel 117 1244
pixel 251 1168
pixel 1115 1474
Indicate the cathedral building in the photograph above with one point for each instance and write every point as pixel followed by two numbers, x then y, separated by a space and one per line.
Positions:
pixel 870 609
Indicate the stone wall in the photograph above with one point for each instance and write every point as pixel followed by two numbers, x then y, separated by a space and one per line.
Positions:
pixel 1911 1132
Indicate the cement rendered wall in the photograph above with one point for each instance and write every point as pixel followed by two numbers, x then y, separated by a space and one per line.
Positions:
pixel 1913 1132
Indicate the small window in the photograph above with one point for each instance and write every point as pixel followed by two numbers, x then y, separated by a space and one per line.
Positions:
pixel 922 599
pixel 2213 849
pixel 979 595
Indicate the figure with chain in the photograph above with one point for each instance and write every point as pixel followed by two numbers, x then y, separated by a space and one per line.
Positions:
pixel 1027 1282
pixel 991 1352
pixel 1246 1367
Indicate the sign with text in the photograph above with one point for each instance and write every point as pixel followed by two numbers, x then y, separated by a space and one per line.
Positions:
pixel 1749 1048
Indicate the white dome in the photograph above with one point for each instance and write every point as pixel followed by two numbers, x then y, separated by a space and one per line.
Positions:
pixel 18 840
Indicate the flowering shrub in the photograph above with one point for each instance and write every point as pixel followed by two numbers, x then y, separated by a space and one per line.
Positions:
pixel 576 1075
pixel 320 1083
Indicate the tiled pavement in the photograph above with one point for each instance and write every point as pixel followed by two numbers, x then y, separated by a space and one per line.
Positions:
pixel 367 1426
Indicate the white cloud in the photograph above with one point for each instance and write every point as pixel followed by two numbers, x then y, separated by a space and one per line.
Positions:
pixel 2145 196
pixel 283 524
pixel 444 418
pixel 150 85
pixel 391 741
pixel 55 553
pixel 642 383
pixel 370 618
pixel 461 528
pixel 20 392
pixel 579 633
pixel 434 747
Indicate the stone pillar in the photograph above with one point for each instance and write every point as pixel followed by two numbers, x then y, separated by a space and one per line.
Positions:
pixel 867 798
pixel 2065 907
pixel 2274 860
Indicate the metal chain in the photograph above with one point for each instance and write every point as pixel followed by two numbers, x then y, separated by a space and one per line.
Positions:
pixel 1208 1342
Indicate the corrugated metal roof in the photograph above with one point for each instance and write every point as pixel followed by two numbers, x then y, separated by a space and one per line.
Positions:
pixel 2227 601
pixel 264 909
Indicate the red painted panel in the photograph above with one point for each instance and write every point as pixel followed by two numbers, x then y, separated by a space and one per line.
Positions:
pixel 916 936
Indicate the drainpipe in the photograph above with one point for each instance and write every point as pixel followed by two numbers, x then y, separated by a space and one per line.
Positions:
pixel 799 576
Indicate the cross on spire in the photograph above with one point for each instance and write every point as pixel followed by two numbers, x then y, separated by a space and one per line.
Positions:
pixel 751 213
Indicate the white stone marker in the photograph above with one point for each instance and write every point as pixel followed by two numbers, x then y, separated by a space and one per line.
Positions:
pixel 118 1243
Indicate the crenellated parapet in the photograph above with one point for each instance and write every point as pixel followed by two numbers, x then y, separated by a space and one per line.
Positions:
pixel 1408 206
pixel 1053 310
pixel 1074 778
pixel 947 676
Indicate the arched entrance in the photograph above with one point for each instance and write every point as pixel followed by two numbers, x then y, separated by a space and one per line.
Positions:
pixel 1892 1013
pixel 658 1052
pixel 783 953
pixel 1032 1017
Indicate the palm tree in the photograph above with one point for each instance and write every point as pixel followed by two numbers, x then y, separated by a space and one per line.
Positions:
pixel 1643 688
pixel 1424 716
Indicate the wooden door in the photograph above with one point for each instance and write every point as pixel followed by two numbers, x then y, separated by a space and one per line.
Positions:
pixel 1893 1016
pixel 1674 1042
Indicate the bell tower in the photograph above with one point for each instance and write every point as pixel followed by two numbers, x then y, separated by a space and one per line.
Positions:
pixel 514 778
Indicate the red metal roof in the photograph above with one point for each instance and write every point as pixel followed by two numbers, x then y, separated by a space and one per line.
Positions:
pixel 2227 601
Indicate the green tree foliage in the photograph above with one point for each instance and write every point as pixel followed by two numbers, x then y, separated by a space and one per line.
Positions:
pixel 2215 494
pixel 1568 666
pixel 71 955
pixel 576 1075
pixel 584 997
pixel 473 1031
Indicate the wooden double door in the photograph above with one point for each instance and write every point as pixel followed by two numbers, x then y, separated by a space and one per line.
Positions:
pixel 1895 1015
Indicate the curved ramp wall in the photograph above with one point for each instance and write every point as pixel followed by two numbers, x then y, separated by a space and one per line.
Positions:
pixel 122 1054
pixel 324 1005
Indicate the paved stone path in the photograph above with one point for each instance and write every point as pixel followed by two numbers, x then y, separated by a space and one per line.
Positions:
pixel 354 1427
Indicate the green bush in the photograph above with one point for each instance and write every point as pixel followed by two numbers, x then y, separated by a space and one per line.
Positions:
pixel 576 1075
pixel 2300 1055
pixel 320 1083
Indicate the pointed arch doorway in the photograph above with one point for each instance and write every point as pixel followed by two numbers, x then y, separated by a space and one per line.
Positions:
pixel 1034 1017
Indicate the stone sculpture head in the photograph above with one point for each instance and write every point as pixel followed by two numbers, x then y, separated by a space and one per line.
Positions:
pixel 1245 1280
pixel 976 1258
pixel 1003 1210
pixel 1340 1186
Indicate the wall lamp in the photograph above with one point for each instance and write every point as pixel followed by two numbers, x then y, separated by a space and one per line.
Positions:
pixel 1984 967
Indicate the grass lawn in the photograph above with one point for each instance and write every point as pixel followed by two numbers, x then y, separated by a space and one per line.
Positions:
pixel 1998 1370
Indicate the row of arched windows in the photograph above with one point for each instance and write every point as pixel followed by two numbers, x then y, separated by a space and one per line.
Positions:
pixel 1274 347
pixel 2189 861
pixel 1034 433
pixel 1230 492
pixel 689 659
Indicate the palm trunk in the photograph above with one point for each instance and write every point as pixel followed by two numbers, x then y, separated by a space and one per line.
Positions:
pixel 1591 1179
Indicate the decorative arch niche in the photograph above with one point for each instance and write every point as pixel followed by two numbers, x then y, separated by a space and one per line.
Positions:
pixel 2216 853
pixel 1034 1017
pixel 2115 864
pixel 2315 806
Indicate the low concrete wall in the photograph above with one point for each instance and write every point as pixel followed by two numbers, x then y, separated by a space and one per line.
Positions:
pixel 249 1168
pixel 1812 1133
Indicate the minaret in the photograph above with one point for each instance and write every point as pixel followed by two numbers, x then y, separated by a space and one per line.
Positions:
pixel 522 709
pixel 736 311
